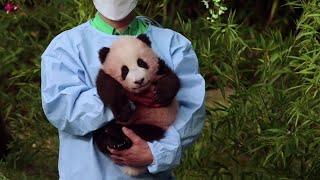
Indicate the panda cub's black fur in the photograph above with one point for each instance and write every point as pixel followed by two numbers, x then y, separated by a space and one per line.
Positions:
pixel 114 97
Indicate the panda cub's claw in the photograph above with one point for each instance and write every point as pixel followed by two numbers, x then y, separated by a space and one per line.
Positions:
pixel 120 145
pixel 111 136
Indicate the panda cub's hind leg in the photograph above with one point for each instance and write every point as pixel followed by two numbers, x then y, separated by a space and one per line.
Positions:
pixel 111 136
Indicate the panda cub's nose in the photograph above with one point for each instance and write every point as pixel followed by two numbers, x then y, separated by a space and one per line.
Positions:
pixel 139 82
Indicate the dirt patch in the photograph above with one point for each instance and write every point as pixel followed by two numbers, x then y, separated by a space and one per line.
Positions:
pixel 213 97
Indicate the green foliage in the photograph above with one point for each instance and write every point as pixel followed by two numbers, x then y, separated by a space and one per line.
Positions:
pixel 24 36
pixel 215 8
pixel 269 129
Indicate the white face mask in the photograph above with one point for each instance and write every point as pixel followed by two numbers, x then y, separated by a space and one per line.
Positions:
pixel 115 9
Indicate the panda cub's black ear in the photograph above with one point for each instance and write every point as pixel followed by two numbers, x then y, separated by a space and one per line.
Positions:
pixel 103 52
pixel 144 38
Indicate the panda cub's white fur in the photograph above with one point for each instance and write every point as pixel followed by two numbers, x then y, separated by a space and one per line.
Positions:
pixel 133 171
pixel 125 51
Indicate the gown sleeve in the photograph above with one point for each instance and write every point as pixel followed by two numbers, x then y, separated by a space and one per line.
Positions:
pixel 190 119
pixel 69 102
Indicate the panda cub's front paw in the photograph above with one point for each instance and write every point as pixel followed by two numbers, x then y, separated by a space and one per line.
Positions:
pixel 164 93
pixel 126 113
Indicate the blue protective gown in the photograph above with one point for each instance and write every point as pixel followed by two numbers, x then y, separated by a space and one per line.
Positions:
pixel 70 101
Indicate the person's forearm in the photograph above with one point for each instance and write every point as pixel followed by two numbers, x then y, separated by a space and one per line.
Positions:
pixel 69 101
pixel 167 152
pixel 76 111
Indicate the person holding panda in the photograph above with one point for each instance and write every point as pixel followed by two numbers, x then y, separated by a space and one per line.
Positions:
pixel 71 103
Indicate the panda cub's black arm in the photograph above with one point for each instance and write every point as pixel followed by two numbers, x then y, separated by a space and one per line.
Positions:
pixel 113 95
pixel 167 86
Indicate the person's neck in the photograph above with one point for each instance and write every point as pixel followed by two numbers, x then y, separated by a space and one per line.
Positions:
pixel 120 25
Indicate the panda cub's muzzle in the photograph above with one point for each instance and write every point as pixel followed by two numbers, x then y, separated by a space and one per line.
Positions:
pixel 139 79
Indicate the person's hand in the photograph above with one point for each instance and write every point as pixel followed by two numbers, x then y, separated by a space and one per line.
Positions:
pixel 139 154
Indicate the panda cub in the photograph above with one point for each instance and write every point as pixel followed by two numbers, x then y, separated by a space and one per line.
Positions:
pixel 140 90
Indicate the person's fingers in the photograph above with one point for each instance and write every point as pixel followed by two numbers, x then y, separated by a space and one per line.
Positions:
pixel 131 135
pixel 121 163
pixel 115 152
pixel 118 160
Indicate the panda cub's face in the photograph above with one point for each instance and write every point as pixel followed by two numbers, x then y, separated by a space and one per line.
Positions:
pixel 136 76
pixel 132 63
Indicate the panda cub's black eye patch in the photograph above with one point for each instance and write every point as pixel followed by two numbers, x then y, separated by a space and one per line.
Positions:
pixel 142 64
pixel 124 72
